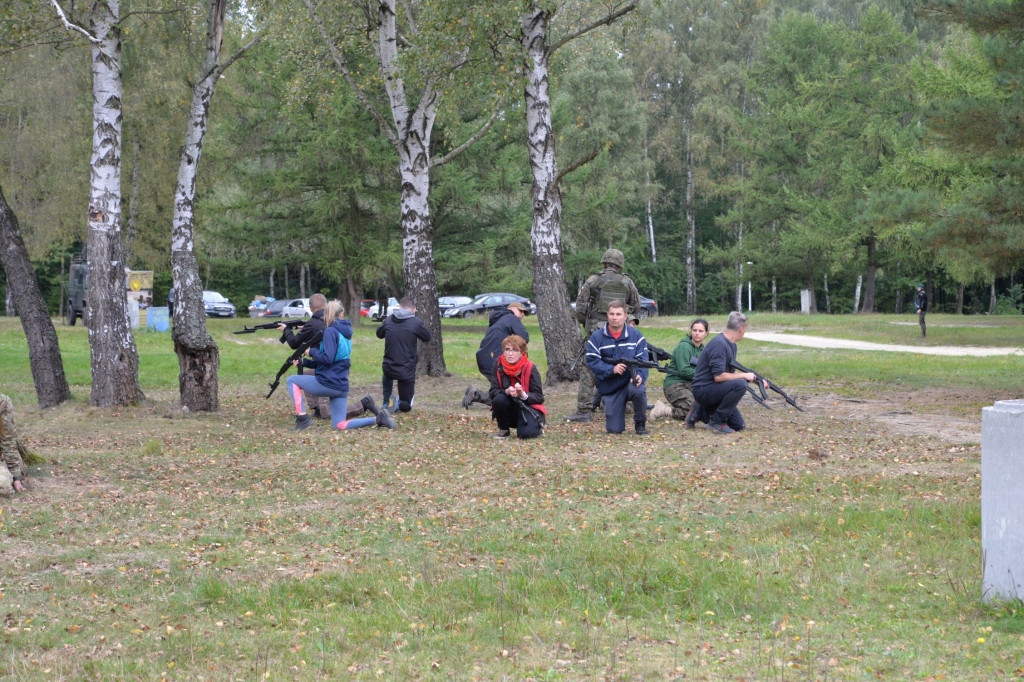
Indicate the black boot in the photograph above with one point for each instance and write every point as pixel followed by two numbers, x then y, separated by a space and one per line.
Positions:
pixel 302 421
pixel 384 418
pixel 369 405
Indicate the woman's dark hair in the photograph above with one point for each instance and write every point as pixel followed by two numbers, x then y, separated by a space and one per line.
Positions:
pixel 701 320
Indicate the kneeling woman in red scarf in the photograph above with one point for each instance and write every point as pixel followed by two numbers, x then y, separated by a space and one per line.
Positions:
pixel 517 399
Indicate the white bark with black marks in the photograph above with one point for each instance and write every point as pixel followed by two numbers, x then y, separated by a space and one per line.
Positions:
pixel 114 358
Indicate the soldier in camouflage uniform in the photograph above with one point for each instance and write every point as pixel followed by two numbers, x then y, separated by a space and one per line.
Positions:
pixel 10 470
pixel 597 292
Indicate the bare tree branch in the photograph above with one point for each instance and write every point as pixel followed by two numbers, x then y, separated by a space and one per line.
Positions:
pixel 238 55
pixel 587 29
pixel 339 61
pixel 73 27
pixel 575 165
pixel 473 139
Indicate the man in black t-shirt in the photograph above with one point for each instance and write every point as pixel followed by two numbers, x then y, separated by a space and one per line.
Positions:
pixel 717 390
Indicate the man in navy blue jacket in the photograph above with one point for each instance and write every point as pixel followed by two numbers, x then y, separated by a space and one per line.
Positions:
pixel 615 381
pixel 401 332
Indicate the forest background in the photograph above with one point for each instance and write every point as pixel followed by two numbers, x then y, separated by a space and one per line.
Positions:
pixel 851 148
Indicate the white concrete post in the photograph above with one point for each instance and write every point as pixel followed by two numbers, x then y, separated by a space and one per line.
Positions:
pixel 1002 489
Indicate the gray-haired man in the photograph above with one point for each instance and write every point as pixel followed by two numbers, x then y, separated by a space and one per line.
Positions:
pixel 717 390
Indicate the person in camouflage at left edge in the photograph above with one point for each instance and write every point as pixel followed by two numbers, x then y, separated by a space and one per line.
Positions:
pixel 10 471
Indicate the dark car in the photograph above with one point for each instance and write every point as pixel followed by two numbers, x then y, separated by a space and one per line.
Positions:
pixel 648 307
pixel 276 308
pixel 484 304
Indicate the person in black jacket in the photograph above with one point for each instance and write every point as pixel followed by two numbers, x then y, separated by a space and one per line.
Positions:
pixel 320 406
pixel 503 323
pixel 517 398
pixel 401 332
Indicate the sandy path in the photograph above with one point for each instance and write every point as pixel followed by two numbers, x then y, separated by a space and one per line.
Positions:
pixel 822 342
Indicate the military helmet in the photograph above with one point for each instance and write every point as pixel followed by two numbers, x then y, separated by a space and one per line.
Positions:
pixel 614 257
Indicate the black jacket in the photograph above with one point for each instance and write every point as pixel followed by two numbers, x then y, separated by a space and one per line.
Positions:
pixel 502 323
pixel 312 326
pixel 400 331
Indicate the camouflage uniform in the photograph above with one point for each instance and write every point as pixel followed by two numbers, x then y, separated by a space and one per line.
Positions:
pixel 590 293
pixel 10 471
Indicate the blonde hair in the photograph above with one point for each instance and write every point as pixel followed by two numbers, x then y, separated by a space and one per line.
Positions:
pixel 333 311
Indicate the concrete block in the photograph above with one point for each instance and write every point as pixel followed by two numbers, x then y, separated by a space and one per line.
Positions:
pixel 1002 489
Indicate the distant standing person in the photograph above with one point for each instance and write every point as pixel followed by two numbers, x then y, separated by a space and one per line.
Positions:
pixel 921 303
pixel 332 363
pixel 383 294
pixel 517 398
pixel 678 383
pixel 592 302
pixel 502 323
pixel 10 470
pixel 617 382
pixel 717 390
pixel 401 332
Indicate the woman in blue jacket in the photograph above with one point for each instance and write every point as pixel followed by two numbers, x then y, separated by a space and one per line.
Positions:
pixel 330 378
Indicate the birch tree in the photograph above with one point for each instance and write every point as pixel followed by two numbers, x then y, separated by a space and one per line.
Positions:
pixel 557 324
pixel 198 355
pixel 415 70
pixel 114 358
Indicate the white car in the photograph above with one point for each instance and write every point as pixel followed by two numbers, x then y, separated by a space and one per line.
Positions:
pixel 392 304
pixel 296 307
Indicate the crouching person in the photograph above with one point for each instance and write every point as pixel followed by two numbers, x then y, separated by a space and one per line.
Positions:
pixel 331 364
pixel 517 399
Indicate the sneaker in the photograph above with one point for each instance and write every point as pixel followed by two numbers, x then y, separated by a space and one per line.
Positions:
pixel 302 421
pixel 504 433
pixel 691 417
pixel 578 417
pixel 721 428
pixel 467 399
pixel 369 405
pixel 641 428
pixel 384 418
pixel 661 409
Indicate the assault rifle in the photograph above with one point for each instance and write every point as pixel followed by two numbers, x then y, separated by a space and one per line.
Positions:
pixel 579 353
pixel 291 324
pixel 296 355
pixel 761 381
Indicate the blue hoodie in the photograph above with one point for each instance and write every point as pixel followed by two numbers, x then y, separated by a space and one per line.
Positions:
pixel 331 366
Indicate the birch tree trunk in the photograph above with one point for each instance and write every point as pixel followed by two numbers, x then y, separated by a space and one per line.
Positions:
pixel 561 334
pixel 739 269
pixel 856 294
pixel 43 348
pixel 647 185
pixel 828 297
pixel 775 302
pixel 869 283
pixel 114 358
pixel 691 236
pixel 992 298
pixel 198 354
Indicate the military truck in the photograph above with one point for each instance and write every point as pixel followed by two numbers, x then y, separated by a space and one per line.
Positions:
pixel 138 287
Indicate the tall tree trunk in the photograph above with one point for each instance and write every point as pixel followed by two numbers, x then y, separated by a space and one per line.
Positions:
pixel 809 285
pixel 960 298
pixel 43 348
pixel 561 334
pixel 647 186
pixel 354 299
pixel 198 354
pixel 114 358
pixel 131 226
pixel 856 294
pixel 691 233
pixel 287 291
pixel 828 297
pixel 992 298
pixel 869 284
pixel 739 269
pixel 271 283
pixel 775 303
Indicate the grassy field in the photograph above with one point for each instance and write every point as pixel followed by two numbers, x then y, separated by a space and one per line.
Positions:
pixel 839 543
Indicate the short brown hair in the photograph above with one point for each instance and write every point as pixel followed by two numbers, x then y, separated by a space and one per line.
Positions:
pixel 317 302
pixel 617 303
pixel 514 340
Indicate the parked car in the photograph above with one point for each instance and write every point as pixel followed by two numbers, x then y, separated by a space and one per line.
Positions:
pixel 446 303
pixel 217 306
pixel 483 304
pixel 648 307
pixel 295 307
pixel 364 307
pixel 274 308
pixel 392 304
